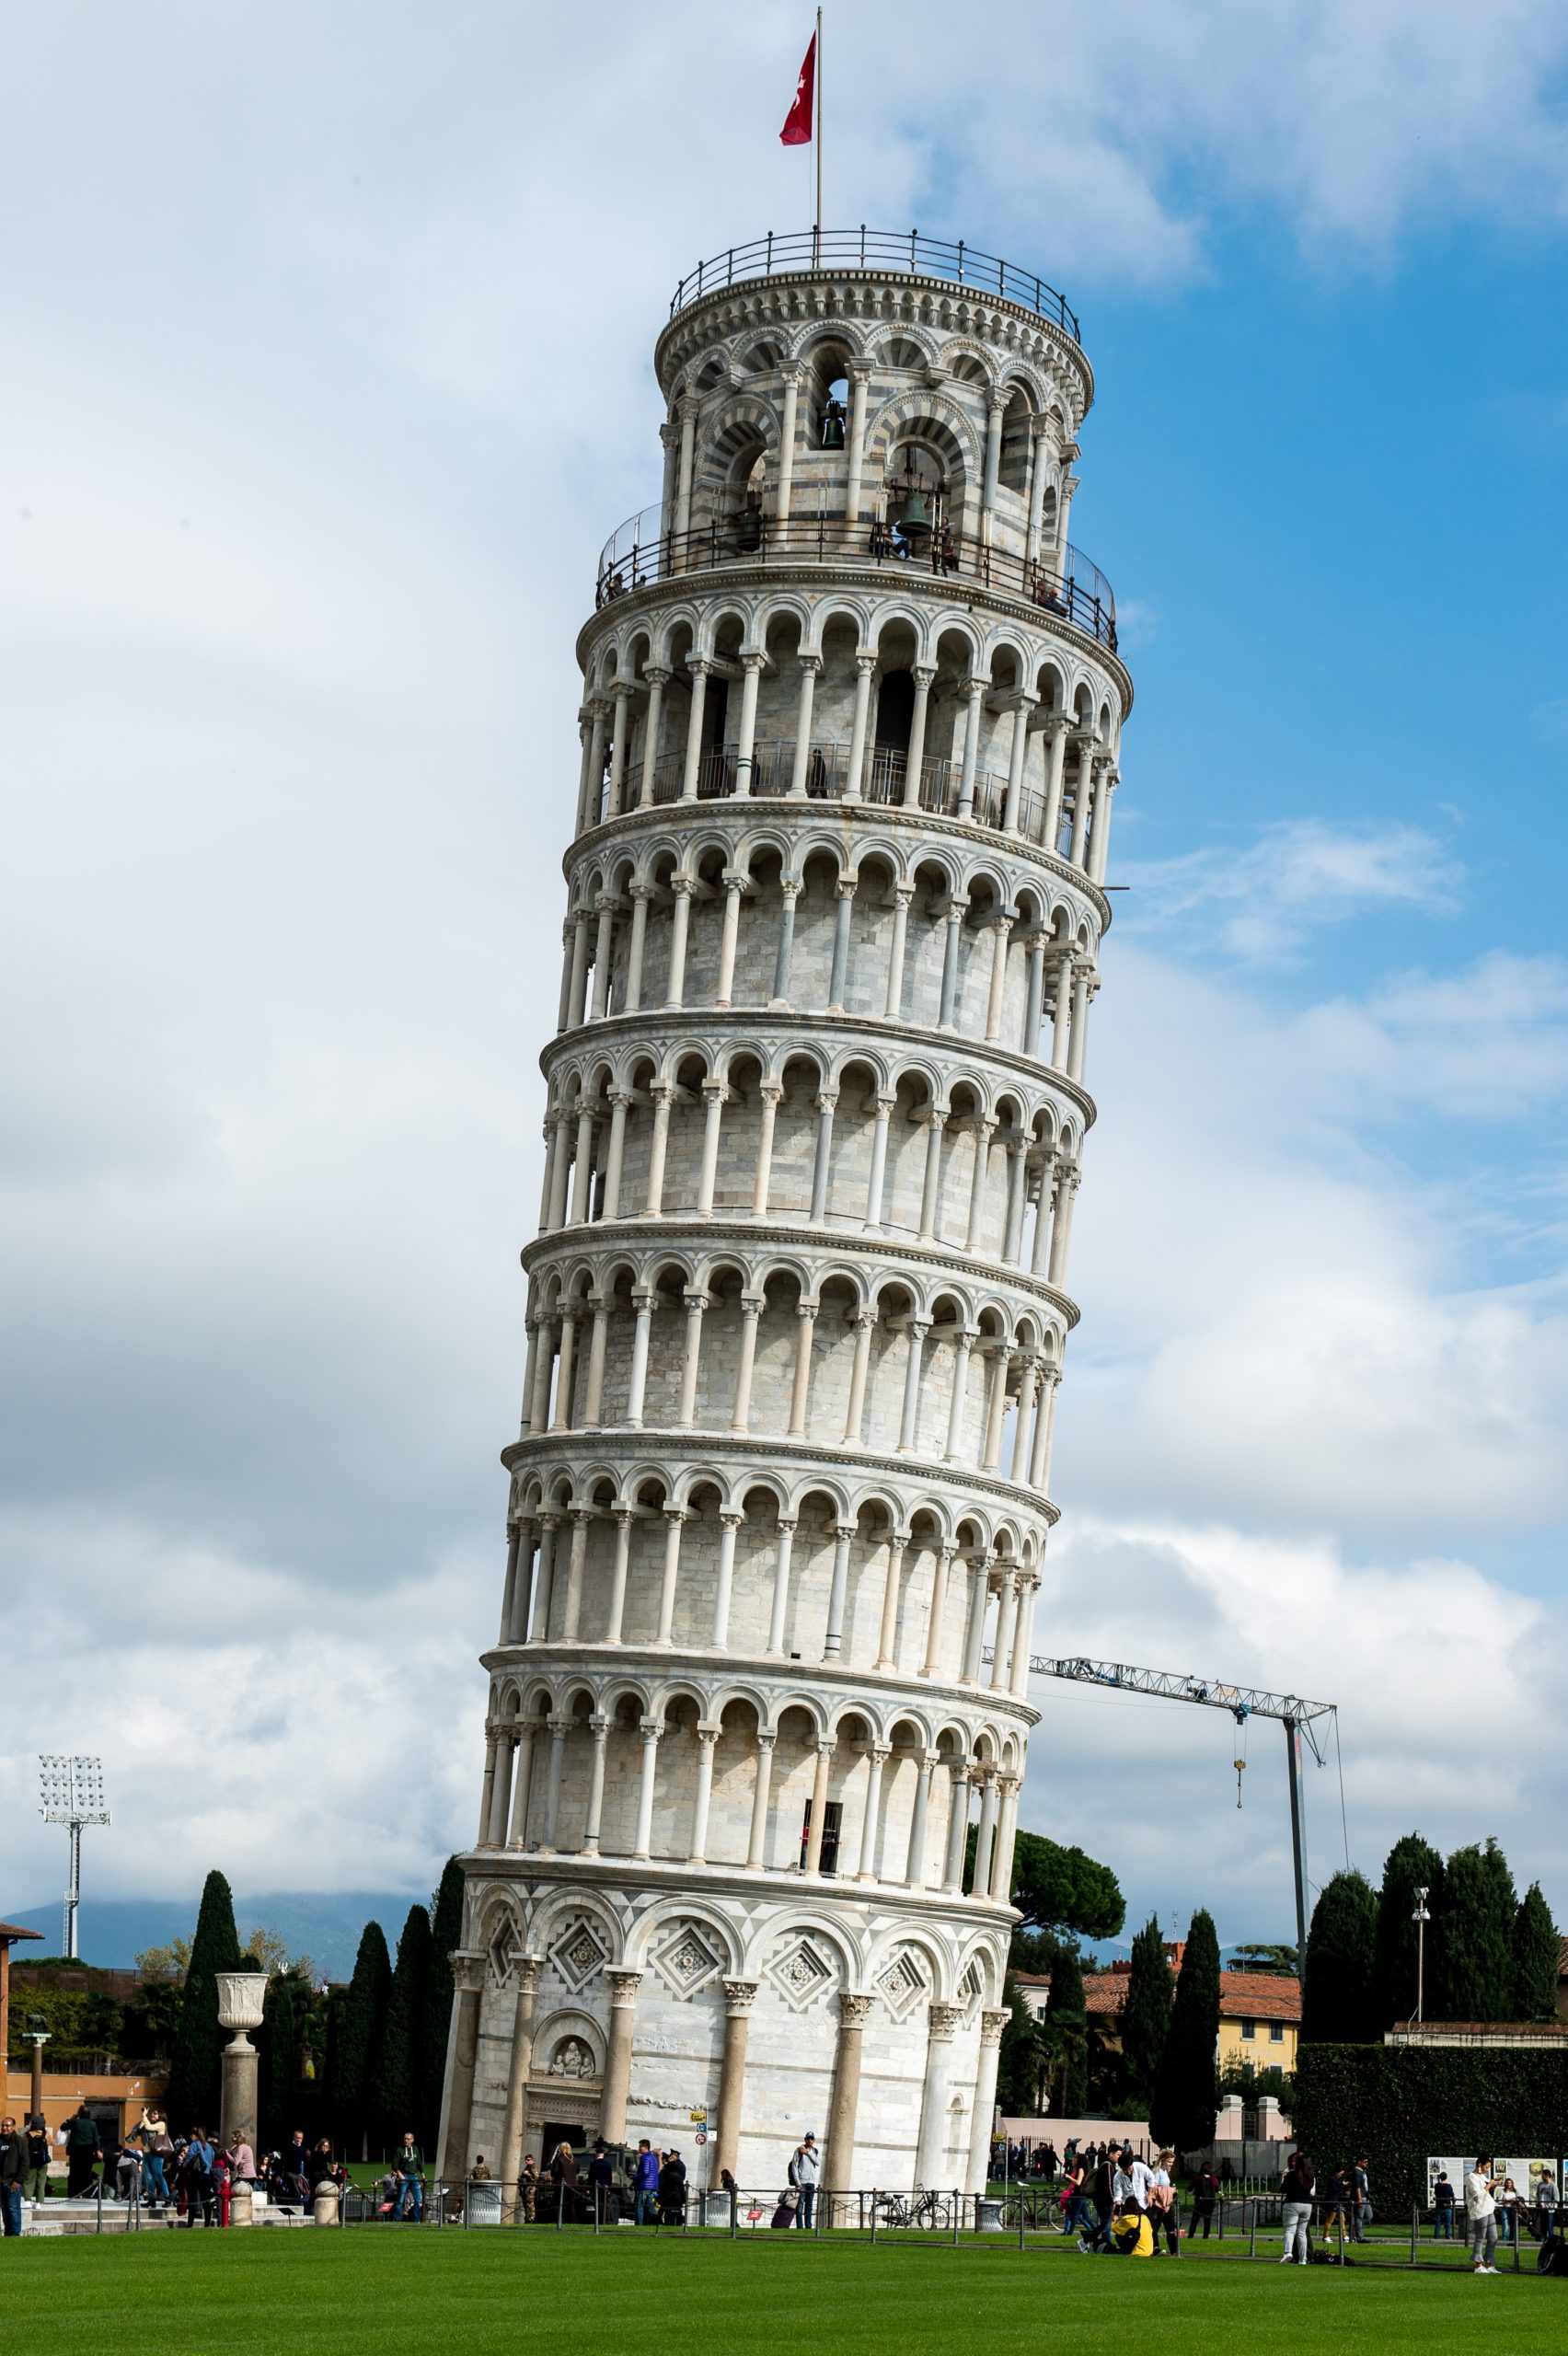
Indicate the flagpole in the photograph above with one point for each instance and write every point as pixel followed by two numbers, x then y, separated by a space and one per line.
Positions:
pixel 819 125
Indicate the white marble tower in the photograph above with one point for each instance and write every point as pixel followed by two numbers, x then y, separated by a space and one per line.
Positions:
pixel 797 1308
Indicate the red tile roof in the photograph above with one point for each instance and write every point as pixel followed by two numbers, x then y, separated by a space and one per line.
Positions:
pixel 1243 1995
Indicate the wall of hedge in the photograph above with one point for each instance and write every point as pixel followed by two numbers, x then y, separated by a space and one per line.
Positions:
pixel 1399 2104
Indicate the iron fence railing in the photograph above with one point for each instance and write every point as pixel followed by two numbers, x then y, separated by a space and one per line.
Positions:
pixel 640 553
pixel 904 251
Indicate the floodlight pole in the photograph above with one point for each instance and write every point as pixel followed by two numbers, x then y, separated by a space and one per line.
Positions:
pixel 72 1794
pixel 1420 1919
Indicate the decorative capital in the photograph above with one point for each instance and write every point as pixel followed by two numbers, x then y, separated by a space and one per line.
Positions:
pixel 623 1985
pixel 739 1995
pixel 991 2027
pixel 854 2012
pixel 528 1969
pixel 944 2019
pixel 467 1971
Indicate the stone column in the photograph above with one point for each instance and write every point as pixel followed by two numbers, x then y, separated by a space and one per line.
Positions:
pixel 734 886
pixel 870 1825
pixel 739 1995
pixel 1038 429
pixel 1018 747
pixel 800 1393
pixel 958 1828
pixel 819 1804
pixel 810 665
pixel 242 1997
pixel 519 2063
pixel 756 1847
pixel 932 1663
pixel 1012 1239
pixel 522 1784
pixel 981 1882
pixel 599 1728
pixel 915 1863
pixel 964 1340
pixel 1002 1851
pixel 606 905
pixel 582 1517
pixel 854 1413
pixel 931 1180
pixel 693 760
pixel 559 1728
pixel 680 925
pixel 930 2147
pixel 924 677
pixel 544 1593
pixel 972 691
pixel 786 442
pixel 952 914
pixel 462 2049
pixel 893 1004
pixel 790 891
pixel 730 1525
pixel 860 727
pixel 838 2168
pixel 838 976
pixel 636 949
pixel 915 1331
pixel 675 1522
pixel 695 1303
pixel 772 1096
pixel 991 2027
pixel 717 1096
pixel 653 736
pixel 1001 1656
pixel 1056 729
pixel 623 1985
pixel 1086 745
pixel 745 734
pixel 822 1168
pixel 780 1586
pixel 843 1533
pixel 996 404
pixel 897 1540
pixel 975 1630
pixel 983 1131
pixel 1000 931
pixel 594 1389
pixel 877 1181
pixel 751 1305
pixel 859 387
pixel 624 1516
pixel 651 1731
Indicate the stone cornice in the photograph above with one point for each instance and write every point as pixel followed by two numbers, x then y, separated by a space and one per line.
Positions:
pixel 673 1445
pixel 775 809
pixel 614 1236
pixel 727 1020
pixel 659 1877
pixel 931 1694
pixel 839 572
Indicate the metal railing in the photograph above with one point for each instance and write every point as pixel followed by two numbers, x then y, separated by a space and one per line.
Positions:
pixel 640 553
pixel 905 250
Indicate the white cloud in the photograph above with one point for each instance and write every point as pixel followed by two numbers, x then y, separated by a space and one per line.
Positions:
pixel 1269 897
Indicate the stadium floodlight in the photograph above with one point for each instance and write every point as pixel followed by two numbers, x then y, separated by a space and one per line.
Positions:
pixel 71 1792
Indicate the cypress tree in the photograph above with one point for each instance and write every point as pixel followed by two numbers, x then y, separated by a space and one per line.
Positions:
pixel 356 2047
pixel 1146 2020
pixel 1022 2058
pixel 446 1933
pixel 1067 2021
pixel 280 2112
pixel 1412 1864
pixel 393 2097
pixel 195 2070
pixel 1537 1960
pixel 1474 1980
pixel 1185 2101
pixel 1337 2002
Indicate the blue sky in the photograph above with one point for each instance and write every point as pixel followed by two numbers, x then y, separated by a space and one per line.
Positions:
pixel 329 367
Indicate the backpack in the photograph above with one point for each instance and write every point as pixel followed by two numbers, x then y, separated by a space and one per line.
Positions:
pixel 1131 2235
pixel 1552 2256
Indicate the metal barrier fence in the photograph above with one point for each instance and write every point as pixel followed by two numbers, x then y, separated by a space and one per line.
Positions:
pixel 901 249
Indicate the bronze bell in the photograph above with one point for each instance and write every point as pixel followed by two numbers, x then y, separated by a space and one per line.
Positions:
pixel 914 515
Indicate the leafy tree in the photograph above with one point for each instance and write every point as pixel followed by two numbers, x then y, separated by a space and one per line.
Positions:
pixel 1035 1951
pixel 393 2106
pixel 163 1963
pixel 1067 2025
pixel 1337 2002
pixel 357 2031
pixel 1474 1978
pixel 280 2107
pixel 1412 1864
pixel 1264 1955
pixel 1021 2063
pixel 269 1951
pixel 1185 2097
pixel 1537 1960
pixel 1146 2020
pixel 1061 1889
pixel 446 1933
pixel 195 2071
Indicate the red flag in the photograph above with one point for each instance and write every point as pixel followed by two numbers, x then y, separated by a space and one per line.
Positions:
pixel 797 131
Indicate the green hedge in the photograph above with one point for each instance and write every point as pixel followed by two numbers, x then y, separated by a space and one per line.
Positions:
pixel 1402 2104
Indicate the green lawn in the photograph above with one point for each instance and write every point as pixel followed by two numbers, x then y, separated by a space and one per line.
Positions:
pixel 387 2291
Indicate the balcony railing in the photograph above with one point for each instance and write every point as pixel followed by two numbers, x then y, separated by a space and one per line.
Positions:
pixel 881 250
pixel 885 780
pixel 640 553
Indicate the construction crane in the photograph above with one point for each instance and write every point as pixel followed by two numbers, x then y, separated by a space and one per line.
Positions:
pixel 1298 1718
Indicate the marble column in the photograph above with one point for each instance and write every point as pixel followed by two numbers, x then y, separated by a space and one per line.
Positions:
pixel 739 1995
pixel 930 2150
pixel 838 2161
pixel 520 2063
pixel 623 1985
pixel 991 2027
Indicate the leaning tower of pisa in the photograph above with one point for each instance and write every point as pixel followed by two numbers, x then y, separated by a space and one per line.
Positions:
pixel 797 1305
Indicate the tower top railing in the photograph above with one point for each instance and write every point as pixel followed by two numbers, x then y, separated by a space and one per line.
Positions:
pixel 892 249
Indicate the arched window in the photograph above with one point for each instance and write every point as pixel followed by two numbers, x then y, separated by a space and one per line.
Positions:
pixel 1013 474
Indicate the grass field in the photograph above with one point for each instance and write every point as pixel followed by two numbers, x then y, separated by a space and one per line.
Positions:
pixel 297 2293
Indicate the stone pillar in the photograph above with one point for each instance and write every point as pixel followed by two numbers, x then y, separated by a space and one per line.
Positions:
pixel 739 1995
pixel 860 387
pixel 991 2027
pixel 651 1731
pixel 707 1736
pixel 623 1987
pixel 242 1997
pixel 462 2050
pixel 772 1096
pixel 923 678
pixel 810 665
pixel 519 2063
pixel 745 743
pixel 786 442
pixel 790 891
pixel 915 1864
pixel 838 2165
pixel 756 1848
pixel 871 1824
pixel 780 1586
pixel 930 2148
pixel 819 1805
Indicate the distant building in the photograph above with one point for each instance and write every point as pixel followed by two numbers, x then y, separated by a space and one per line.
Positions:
pixel 1259 2011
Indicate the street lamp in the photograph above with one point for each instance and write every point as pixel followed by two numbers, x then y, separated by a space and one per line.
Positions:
pixel 1420 1919
pixel 71 1792
pixel 38 2038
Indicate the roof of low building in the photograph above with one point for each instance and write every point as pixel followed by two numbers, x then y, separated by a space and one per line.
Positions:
pixel 1243 1995
pixel 9 1931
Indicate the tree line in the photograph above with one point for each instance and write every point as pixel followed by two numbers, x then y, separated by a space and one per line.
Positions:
pixel 1490 1955
pixel 359 2062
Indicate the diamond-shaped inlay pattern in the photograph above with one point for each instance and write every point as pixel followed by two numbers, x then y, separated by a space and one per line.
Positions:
pixel 685 1960
pixel 580 1952
pixel 904 1983
pixel 505 1948
pixel 802 1974
pixel 970 1992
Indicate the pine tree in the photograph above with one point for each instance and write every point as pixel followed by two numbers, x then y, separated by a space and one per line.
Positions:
pixel 1537 1950
pixel 392 2102
pixel 1146 2020
pixel 1474 1980
pixel 355 2057
pixel 1412 1864
pixel 446 1933
pixel 195 2073
pixel 1066 2023
pixel 1337 2005
pixel 280 2112
pixel 1185 2100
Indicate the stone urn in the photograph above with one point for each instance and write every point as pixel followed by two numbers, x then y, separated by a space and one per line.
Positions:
pixel 242 1997
pixel 324 2203
pixel 240 2212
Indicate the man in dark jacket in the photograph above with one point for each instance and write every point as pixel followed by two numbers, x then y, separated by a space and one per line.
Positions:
pixel 645 2181
pixel 35 2172
pixel 83 2146
pixel 12 2163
